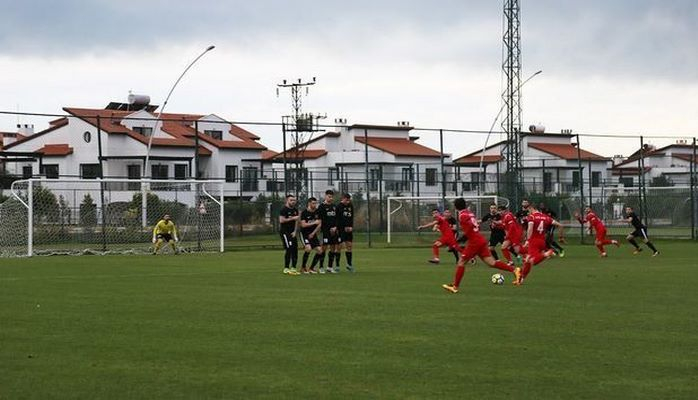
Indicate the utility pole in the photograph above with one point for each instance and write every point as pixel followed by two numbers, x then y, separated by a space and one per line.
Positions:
pixel 301 127
pixel 511 97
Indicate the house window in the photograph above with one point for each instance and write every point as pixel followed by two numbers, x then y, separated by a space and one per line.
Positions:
pixel 431 176
pixel 250 183
pixel 231 173
pixel 133 172
pixel 181 171
pixel 626 181
pixel 575 179
pixel 159 171
pixel 596 179
pixel 87 136
pixel 50 171
pixel 89 171
pixel 375 177
pixel 27 172
pixel 216 134
pixel 143 130
pixel 332 174
pixel 547 182
pixel 407 178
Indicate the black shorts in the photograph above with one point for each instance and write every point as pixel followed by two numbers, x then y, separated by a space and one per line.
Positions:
pixel 313 242
pixel 288 241
pixel 496 237
pixel 642 232
pixel 346 236
pixel 164 236
pixel 330 239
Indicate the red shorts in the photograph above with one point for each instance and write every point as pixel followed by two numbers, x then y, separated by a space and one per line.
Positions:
pixel 514 237
pixel 536 247
pixel 448 241
pixel 600 234
pixel 476 248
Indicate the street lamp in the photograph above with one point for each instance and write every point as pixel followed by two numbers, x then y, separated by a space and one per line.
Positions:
pixel 162 109
pixel 499 114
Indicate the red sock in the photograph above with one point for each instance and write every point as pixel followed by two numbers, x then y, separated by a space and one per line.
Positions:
pixel 526 268
pixel 536 259
pixel 435 250
pixel 600 247
pixel 460 270
pixel 503 266
pixel 507 254
pixel 607 242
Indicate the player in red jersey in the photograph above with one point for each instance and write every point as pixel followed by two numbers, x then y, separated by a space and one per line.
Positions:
pixel 539 225
pixel 513 233
pixel 597 225
pixel 447 239
pixel 477 245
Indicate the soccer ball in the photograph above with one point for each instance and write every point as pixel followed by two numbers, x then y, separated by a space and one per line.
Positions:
pixel 498 279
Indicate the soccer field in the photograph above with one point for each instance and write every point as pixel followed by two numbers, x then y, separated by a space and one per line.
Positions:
pixel 233 326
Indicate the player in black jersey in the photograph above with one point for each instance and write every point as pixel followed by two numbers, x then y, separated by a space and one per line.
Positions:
pixel 288 225
pixel 496 229
pixel 639 232
pixel 453 222
pixel 330 235
pixel 310 229
pixel 523 213
pixel 345 225
pixel 550 237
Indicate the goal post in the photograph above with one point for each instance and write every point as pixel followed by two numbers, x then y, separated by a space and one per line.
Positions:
pixel 406 212
pixel 106 216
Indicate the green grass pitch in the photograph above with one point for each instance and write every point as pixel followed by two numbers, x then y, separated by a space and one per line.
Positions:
pixel 233 326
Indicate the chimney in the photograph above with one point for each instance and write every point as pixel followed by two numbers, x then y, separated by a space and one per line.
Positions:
pixel 340 121
pixel 617 159
pixel 403 123
pixel 25 129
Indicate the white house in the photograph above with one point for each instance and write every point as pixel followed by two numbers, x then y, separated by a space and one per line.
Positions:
pixel 72 145
pixel 551 164
pixel 666 165
pixel 396 162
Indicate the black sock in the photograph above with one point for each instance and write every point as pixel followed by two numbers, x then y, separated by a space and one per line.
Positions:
pixel 330 259
pixel 294 257
pixel 316 259
pixel 651 246
pixel 557 246
pixel 337 256
pixel 349 255
pixel 305 259
pixel 287 258
pixel 455 254
pixel 513 252
pixel 494 254
pixel 634 243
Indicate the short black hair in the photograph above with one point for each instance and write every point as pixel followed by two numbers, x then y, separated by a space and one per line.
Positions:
pixel 346 196
pixel 329 191
pixel 435 209
pixel 502 208
pixel 312 199
pixel 288 196
pixel 459 203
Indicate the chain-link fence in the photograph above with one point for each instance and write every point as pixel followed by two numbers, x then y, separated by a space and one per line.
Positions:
pixel 565 171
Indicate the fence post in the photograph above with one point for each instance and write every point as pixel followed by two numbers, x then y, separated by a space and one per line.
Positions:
pixel 693 196
pixel 581 186
pixel 641 189
pixel 30 218
pixel 380 198
pixel 443 171
pixel 591 193
pixel 101 183
pixel 368 190
pixel 283 132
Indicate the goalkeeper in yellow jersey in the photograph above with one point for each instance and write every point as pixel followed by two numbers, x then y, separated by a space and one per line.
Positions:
pixel 165 231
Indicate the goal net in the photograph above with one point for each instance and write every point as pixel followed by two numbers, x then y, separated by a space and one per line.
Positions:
pixel 405 213
pixel 102 216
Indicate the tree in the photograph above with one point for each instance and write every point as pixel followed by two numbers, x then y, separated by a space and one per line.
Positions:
pixel 88 212
pixel 45 205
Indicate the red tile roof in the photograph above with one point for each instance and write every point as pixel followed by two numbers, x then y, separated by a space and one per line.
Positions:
pixel 475 160
pixel 58 150
pixel 269 154
pixel 188 132
pixel 292 155
pixel 36 135
pixel 399 147
pixel 628 171
pixel 566 151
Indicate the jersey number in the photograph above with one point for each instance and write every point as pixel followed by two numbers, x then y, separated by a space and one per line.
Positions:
pixel 541 227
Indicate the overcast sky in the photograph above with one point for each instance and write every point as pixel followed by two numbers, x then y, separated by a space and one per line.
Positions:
pixel 621 66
